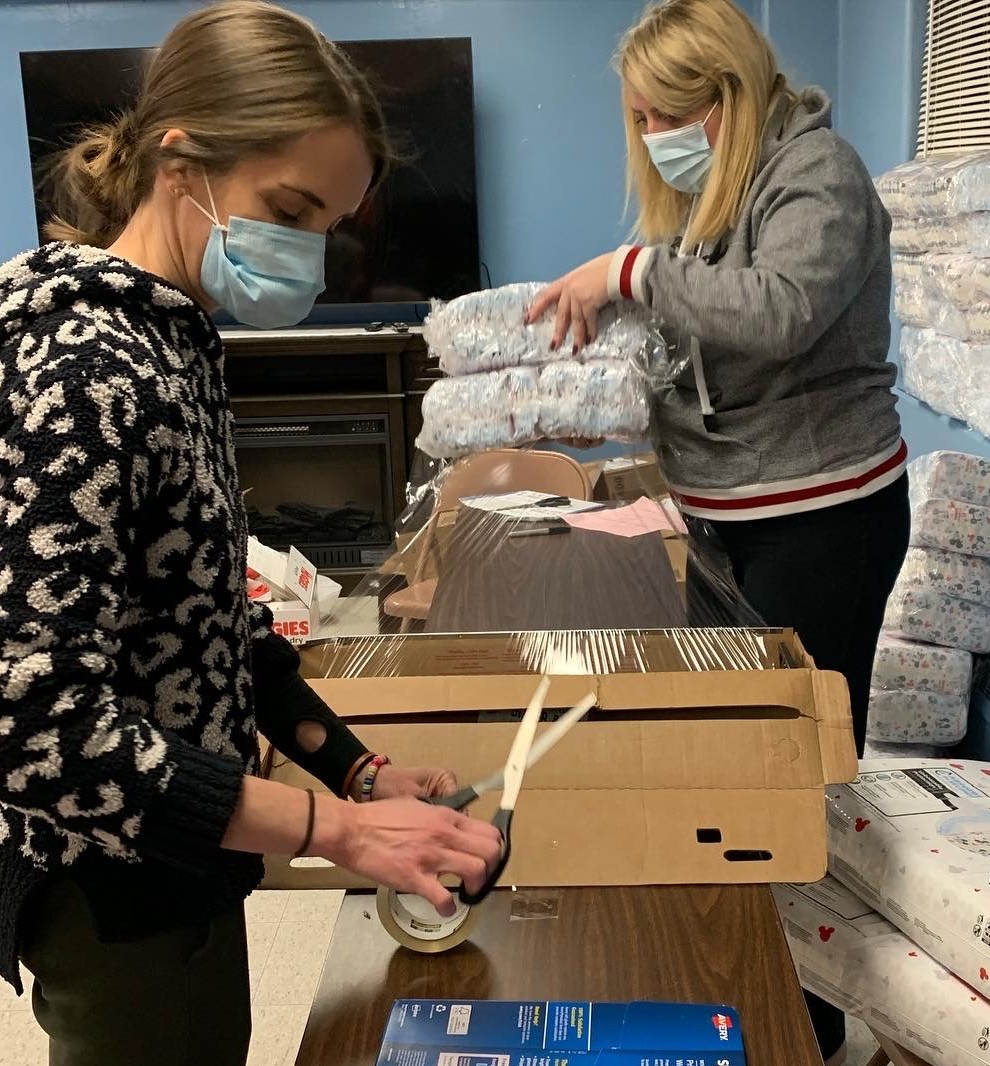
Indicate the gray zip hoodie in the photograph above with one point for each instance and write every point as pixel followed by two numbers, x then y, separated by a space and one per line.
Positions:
pixel 791 406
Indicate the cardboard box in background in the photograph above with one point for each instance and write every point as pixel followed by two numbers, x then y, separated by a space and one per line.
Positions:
pixel 298 596
pixel 685 775
pixel 627 478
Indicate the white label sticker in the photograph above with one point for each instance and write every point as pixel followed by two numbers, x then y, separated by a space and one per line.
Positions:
pixel 459 1019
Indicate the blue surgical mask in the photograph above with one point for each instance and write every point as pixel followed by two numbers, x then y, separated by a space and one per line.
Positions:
pixel 683 157
pixel 264 275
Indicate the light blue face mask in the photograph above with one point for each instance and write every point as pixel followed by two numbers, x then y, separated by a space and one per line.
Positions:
pixel 683 157
pixel 264 275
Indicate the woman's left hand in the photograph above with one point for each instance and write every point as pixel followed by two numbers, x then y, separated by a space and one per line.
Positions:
pixel 393 782
pixel 578 297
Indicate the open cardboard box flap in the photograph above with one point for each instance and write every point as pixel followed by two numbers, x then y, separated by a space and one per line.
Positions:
pixel 680 776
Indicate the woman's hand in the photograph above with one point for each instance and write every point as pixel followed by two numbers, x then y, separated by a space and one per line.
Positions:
pixel 407 845
pixel 578 297
pixel 392 782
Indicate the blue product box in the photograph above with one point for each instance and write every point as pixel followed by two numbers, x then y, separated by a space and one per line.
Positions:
pixel 446 1032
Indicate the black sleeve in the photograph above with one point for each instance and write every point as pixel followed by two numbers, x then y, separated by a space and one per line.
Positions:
pixel 282 700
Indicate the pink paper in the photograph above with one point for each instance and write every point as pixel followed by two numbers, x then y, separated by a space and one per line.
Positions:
pixel 633 520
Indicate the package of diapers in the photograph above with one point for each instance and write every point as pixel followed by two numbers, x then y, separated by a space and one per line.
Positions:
pixel 485 331
pixel 955 574
pixel 961 233
pixel 462 416
pixel 854 959
pixel 939 187
pixel 916 717
pixel 912 839
pixel 952 476
pixel 934 618
pixel 947 373
pixel 522 405
pixel 954 526
pixel 880 749
pixel 904 666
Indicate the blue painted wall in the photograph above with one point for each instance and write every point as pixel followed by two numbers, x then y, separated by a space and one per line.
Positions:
pixel 547 108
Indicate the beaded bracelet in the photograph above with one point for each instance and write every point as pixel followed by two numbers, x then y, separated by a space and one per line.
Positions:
pixel 370 773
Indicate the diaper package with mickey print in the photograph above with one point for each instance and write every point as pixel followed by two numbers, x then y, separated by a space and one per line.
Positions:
pixel 856 960
pixel 912 839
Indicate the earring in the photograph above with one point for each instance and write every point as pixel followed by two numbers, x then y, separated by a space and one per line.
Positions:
pixel 179 190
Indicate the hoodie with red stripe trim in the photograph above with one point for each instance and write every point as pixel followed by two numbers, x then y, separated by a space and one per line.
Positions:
pixel 791 313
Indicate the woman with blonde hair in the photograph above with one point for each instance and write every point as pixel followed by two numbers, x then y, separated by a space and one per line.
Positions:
pixel 764 252
pixel 133 672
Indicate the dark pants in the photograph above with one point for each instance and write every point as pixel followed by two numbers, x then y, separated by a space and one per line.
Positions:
pixel 827 574
pixel 179 998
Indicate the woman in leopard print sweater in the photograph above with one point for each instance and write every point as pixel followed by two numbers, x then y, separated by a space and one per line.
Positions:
pixel 132 669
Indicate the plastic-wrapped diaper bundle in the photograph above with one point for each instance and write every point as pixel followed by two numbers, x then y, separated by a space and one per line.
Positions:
pixel 946 293
pixel 921 236
pixel 484 331
pixel 919 694
pixel 939 188
pixel 507 388
pixel 847 953
pixel 951 476
pixel 948 374
pixel 942 595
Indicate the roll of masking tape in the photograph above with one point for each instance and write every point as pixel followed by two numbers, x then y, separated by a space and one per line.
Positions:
pixel 414 923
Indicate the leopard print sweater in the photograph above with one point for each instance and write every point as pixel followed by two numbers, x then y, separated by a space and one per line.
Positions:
pixel 126 708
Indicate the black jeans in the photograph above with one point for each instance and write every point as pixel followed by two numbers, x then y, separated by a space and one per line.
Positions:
pixel 177 998
pixel 827 574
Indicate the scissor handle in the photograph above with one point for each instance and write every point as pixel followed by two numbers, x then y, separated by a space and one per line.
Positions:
pixel 503 823
pixel 456 801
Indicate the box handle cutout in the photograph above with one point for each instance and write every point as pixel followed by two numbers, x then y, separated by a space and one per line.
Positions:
pixel 742 855
pixel 709 836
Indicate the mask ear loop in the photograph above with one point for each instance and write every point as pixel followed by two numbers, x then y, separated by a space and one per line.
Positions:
pixel 215 217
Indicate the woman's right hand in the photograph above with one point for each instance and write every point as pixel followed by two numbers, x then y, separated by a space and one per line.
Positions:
pixel 406 844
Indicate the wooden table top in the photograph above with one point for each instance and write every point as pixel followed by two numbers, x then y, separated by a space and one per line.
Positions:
pixel 492 583
pixel 691 944
pixel 681 944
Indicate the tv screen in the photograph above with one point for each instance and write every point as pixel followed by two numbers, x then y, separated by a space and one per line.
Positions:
pixel 416 240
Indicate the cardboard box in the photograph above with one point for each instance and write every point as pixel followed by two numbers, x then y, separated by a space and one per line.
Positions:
pixel 683 775
pixel 491 1033
pixel 299 597
pixel 627 478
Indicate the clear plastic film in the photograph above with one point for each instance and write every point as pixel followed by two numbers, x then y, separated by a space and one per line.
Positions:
pixel 507 387
pixel 583 586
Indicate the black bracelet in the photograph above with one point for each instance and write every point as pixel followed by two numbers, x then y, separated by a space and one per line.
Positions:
pixel 310 822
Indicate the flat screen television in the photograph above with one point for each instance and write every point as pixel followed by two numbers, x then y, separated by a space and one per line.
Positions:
pixel 417 239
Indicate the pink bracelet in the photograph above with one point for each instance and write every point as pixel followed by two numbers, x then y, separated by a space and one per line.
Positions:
pixel 370 773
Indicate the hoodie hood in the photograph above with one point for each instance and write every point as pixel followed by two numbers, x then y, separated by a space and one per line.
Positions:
pixel 37 287
pixel 786 122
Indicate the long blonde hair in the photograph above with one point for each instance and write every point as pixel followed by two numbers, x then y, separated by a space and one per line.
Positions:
pixel 241 78
pixel 681 56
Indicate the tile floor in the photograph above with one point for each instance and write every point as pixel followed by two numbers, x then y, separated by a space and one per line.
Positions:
pixel 288 937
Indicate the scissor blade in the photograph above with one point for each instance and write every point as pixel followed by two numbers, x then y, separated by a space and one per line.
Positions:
pixel 550 737
pixel 515 765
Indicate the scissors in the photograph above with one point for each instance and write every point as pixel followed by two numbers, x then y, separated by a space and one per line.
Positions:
pixel 524 753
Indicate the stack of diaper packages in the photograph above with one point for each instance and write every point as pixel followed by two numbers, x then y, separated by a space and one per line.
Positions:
pixel 506 386
pixel 941 238
pixel 899 933
pixel 938 616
